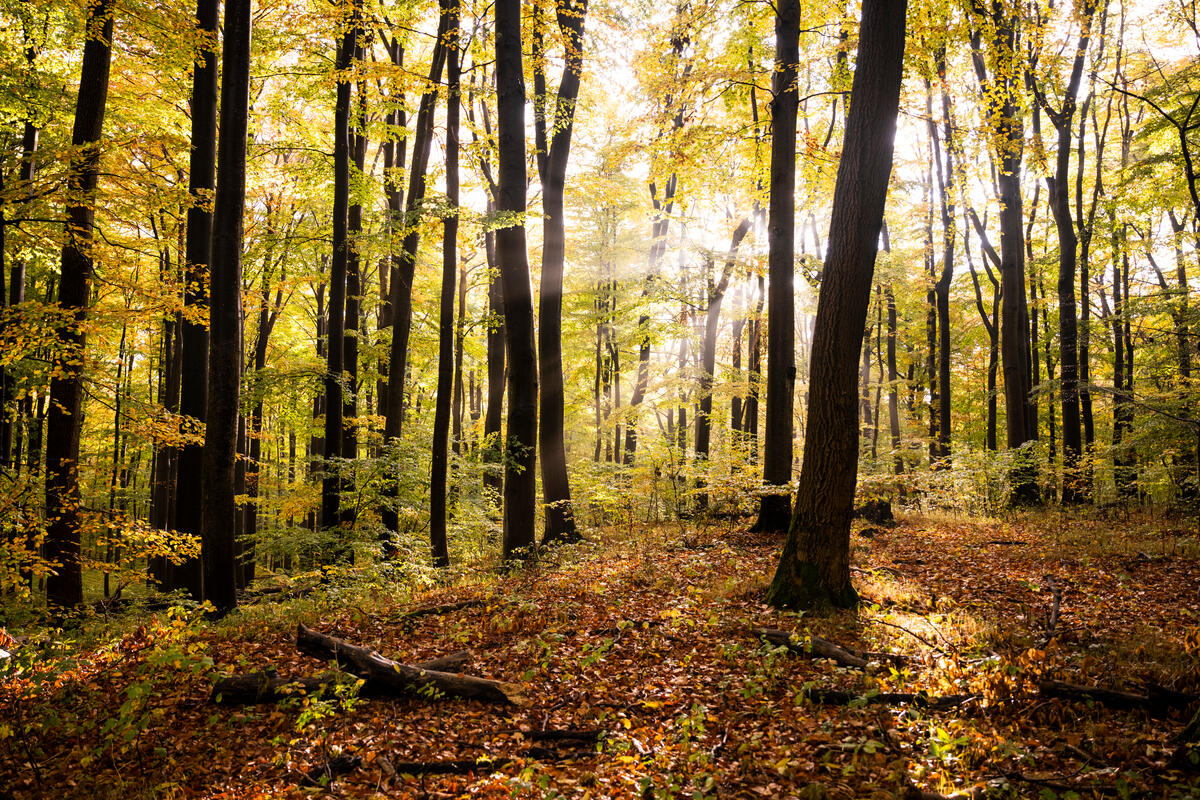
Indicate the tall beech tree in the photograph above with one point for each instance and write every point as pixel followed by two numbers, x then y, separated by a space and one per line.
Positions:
pixel 335 353
pixel 402 273
pixel 445 380
pixel 552 168
pixel 994 55
pixel 520 484
pixel 814 569
pixel 64 587
pixel 774 511
pixel 1058 187
pixel 225 334
pixel 193 324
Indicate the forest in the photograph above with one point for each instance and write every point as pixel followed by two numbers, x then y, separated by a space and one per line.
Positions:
pixel 599 398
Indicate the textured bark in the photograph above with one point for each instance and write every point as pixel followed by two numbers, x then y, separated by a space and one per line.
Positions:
pixel 225 341
pixel 774 513
pixel 552 165
pixel 193 391
pixel 445 374
pixel 814 569
pixel 520 484
pixel 990 323
pixel 64 587
pixel 946 193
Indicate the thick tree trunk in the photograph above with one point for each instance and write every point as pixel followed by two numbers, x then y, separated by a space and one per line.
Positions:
pixel 64 587
pixel 445 376
pixel 520 480
pixel 224 352
pixel 774 510
pixel 560 518
pixel 193 391
pixel 814 569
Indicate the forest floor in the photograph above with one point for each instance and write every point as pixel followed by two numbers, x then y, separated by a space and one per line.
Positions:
pixel 642 642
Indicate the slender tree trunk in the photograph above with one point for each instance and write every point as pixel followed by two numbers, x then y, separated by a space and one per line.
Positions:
pixel 893 379
pixel 496 371
pixel 774 510
pixel 520 483
pixel 445 381
pixel 394 152
pixel 402 276
pixel 946 192
pixel 64 587
pixel 193 392
pixel 814 569
pixel 335 354
pixel 552 163
pixel 353 322
pixel 1008 131
pixel 462 395
pixel 224 352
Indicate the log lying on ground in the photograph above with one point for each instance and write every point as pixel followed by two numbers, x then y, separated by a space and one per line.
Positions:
pixel 1157 701
pixel 391 677
pixel 823 648
pixel 267 687
pixel 838 697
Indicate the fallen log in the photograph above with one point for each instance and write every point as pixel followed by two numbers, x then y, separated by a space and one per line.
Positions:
pixel 268 687
pixel 1157 701
pixel 823 648
pixel 392 677
pixel 838 697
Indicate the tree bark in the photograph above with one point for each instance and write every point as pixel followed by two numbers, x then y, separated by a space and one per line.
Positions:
pixel 774 510
pixel 193 388
pixel 445 376
pixel 402 276
pixel 520 484
pixel 814 569
pixel 335 354
pixel 552 163
pixel 225 341
pixel 64 587
pixel 493 415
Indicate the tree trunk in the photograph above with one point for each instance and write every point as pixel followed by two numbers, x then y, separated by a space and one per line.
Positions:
pixel 708 352
pixel 1008 131
pixel 224 353
pixel 560 518
pixel 402 276
pixel 814 569
pixel 494 414
pixel 774 510
pixel 64 587
pixel 520 480
pixel 445 380
pixel 893 379
pixel 193 391
pixel 335 354
pixel 352 321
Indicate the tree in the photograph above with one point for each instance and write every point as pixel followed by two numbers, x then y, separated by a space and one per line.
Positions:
pixel 445 380
pixel 225 340
pixel 332 481
pixel 998 70
pixel 1058 187
pixel 552 167
pixel 774 512
pixel 65 418
pixel 193 327
pixel 814 569
pixel 521 447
